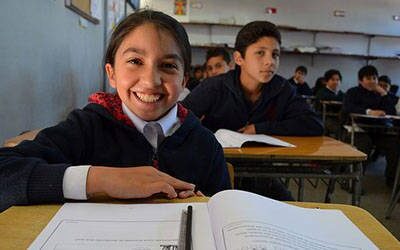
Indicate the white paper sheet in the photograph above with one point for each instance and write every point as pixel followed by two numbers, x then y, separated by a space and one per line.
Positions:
pixel 112 226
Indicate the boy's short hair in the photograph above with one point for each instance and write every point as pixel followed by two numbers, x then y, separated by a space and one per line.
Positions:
pixel 302 69
pixel 368 70
pixel 385 78
pixel 219 51
pixel 252 32
pixel 328 74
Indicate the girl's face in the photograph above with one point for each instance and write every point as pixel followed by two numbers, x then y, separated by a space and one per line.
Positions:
pixel 333 82
pixel 260 62
pixel 148 72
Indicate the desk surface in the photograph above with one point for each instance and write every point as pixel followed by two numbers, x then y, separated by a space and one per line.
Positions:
pixel 307 148
pixel 20 225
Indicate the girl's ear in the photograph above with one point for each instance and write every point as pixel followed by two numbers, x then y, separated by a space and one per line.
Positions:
pixel 185 80
pixel 110 74
pixel 237 57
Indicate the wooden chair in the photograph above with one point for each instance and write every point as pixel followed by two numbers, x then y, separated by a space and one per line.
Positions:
pixel 28 135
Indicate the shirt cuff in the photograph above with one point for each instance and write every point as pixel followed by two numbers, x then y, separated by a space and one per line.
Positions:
pixel 74 182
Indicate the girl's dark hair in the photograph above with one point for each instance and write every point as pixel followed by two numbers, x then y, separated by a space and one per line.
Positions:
pixel 330 73
pixel 160 20
pixel 252 32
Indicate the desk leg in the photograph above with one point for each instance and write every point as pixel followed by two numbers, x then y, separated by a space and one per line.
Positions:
pixel 329 190
pixel 394 198
pixel 356 185
pixel 300 194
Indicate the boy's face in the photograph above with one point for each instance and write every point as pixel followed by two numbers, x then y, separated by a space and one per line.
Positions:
pixel 369 82
pixel 299 76
pixel 384 85
pixel 333 82
pixel 261 60
pixel 216 65
pixel 148 72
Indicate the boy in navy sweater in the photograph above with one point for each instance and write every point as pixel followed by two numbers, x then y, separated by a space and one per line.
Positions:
pixel 371 99
pixel 252 98
pixel 132 144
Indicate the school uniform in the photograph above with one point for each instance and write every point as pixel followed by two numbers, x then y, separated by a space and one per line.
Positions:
pixel 301 89
pixel 358 100
pixel 332 124
pixel 278 111
pixel 101 134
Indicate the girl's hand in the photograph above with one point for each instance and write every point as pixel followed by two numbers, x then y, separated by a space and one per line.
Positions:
pixel 133 182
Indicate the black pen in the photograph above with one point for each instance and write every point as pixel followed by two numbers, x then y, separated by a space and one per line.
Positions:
pixel 188 239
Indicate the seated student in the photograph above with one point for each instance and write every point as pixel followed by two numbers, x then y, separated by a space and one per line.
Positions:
pixel 371 99
pixel 252 98
pixel 385 82
pixel 198 76
pixel 128 144
pixel 298 81
pixel 217 61
pixel 319 84
pixel 331 92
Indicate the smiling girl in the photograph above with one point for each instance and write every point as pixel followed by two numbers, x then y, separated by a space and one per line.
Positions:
pixel 131 144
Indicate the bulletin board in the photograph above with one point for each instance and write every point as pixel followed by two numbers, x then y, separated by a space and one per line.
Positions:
pixel 83 8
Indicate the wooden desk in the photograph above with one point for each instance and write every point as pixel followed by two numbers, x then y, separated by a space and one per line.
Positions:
pixel 20 225
pixel 29 135
pixel 313 157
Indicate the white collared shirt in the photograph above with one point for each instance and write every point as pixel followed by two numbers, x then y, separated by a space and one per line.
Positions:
pixel 74 180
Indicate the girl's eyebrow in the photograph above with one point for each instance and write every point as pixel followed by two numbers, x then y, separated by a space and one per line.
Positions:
pixel 135 50
pixel 143 52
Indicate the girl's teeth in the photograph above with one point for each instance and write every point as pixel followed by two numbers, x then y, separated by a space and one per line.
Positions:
pixel 148 98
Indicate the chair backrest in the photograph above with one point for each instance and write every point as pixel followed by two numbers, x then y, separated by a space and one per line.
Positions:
pixel 14 141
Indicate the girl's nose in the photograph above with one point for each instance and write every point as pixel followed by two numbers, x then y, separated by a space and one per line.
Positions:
pixel 151 76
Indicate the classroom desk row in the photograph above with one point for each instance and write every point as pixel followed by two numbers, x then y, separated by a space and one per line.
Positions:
pixel 20 225
pixel 313 157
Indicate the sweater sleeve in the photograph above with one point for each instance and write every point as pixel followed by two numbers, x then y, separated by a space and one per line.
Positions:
pixel 298 119
pixel 32 172
pixel 351 103
pixel 218 173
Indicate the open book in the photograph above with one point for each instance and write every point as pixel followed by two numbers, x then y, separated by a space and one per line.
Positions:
pixel 230 220
pixel 231 139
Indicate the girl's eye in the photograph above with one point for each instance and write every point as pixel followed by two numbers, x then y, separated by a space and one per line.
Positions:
pixel 136 61
pixel 170 66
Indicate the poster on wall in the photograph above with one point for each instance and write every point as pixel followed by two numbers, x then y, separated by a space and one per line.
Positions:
pixel 181 10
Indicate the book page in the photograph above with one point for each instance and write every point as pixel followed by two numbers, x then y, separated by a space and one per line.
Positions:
pixel 232 139
pixel 243 220
pixel 78 226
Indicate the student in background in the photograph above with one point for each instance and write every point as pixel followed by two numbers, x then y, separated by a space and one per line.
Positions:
pixel 298 81
pixel 371 99
pixel 319 84
pixel 331 91
pixel 198 76
pixel 217 61
pixel 131 144
pixel 252 98
pixel 385 83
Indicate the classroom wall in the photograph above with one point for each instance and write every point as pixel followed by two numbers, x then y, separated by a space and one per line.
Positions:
pixel 49 63
pixel 369 16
